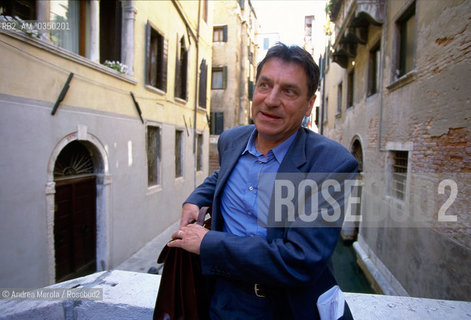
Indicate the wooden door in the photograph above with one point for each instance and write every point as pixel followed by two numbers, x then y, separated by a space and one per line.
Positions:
pixel 75 227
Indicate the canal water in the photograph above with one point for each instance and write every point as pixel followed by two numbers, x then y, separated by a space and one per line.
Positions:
pixel 347 271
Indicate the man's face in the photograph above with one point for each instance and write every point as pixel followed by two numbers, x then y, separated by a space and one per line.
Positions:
pixel 280 100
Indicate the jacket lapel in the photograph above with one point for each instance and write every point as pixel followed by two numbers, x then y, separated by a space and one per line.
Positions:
pixel 231 153
pixel 296 155
pixel 295 158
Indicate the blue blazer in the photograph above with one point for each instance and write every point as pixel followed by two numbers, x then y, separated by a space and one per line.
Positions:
pixel 295 261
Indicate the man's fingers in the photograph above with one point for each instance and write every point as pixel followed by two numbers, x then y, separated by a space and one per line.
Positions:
pixel 177 243
pixel 189 214
pixel 177 234
pixel 187 221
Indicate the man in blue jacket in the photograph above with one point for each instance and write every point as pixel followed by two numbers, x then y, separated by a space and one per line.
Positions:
pixel 263 270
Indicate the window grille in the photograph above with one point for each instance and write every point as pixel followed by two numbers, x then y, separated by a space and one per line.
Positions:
pixel 153 155
pixel 178 153
pixel 399 174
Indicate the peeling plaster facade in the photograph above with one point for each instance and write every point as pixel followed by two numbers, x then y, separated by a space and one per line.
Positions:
pixel 236 53
pixel 423 114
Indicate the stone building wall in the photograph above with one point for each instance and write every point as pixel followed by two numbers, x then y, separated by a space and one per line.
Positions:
pixel 426 114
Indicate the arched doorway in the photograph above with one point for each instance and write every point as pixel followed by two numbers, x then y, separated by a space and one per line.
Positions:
pixel 357 152
pixel 351 226
pixel 74 212
pixel 99 157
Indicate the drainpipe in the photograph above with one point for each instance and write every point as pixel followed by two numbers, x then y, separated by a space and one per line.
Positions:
pixel 381 79
pixel 321 120
pixel 196 95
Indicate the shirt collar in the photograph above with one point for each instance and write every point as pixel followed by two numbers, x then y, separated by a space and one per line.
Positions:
pixel 279 151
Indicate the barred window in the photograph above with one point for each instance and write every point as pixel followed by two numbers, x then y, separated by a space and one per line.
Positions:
pixel 199 152
pixel 399 174
pixel 153 155
pixel 178 153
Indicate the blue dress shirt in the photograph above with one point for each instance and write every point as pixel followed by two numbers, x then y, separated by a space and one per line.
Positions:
pixel 239 205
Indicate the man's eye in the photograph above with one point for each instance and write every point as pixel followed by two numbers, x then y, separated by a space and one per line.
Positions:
pixel 290 92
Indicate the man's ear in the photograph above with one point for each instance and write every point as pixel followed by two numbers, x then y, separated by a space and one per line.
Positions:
pixel 310 105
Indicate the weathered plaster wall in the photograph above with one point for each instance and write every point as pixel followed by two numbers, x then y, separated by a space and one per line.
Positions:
pixel 137 213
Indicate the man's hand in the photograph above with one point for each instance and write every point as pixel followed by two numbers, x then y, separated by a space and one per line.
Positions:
pixel 188 238
pixel 190 213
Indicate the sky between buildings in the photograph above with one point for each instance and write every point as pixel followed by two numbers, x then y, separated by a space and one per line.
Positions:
pixel 287 18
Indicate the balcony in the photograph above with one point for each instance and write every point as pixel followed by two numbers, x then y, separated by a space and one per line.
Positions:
pixel 353 25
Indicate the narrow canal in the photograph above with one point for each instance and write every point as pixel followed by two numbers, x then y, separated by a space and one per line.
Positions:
pixel 347 271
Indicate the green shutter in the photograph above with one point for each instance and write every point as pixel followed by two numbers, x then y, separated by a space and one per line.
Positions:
pixel 224 33
pixel 224 77
pixel 147 63
pixel 251 89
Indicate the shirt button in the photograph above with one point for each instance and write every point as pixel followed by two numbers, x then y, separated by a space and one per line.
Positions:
pixel 249 213
pixel 260 162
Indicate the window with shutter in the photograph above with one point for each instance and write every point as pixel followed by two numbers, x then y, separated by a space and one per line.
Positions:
pixel 203 83
pixel 251 89
pixel 217 123
pixel 220 34
pixel 181 70
pixel 219 78
pixel 156 59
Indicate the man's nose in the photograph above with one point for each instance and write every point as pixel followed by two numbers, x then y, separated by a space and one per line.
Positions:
pixel 273 98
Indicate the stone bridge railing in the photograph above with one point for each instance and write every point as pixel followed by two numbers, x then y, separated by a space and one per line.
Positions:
pixel 131 295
